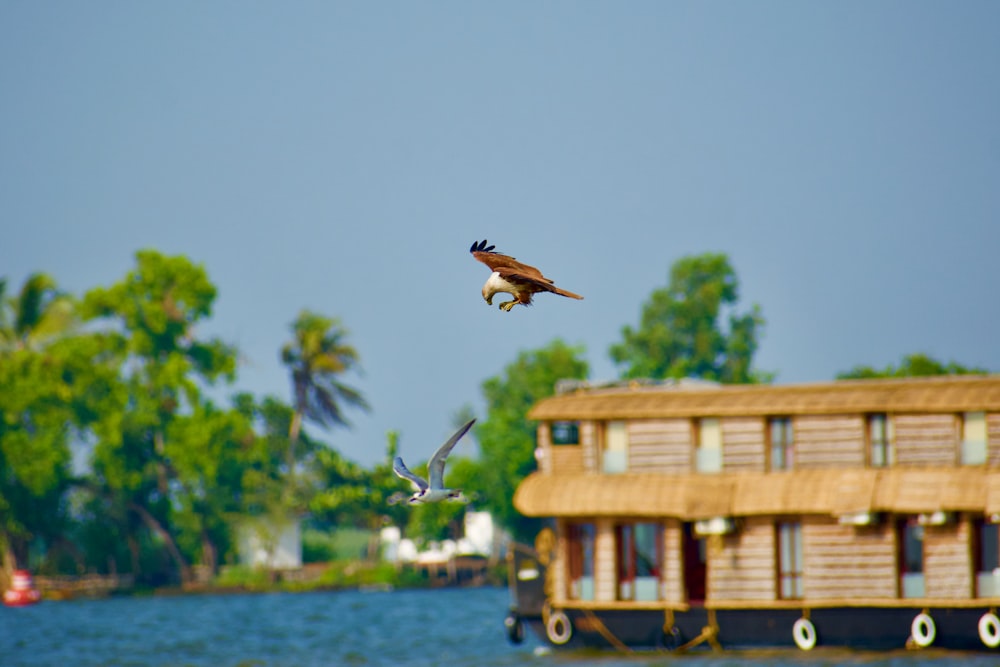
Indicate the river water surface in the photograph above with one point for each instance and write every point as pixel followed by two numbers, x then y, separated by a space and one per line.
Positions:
pixel 453 627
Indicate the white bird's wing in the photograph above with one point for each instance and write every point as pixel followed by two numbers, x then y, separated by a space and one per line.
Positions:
pixel 435 467
pixel 403 472
pixel 396 498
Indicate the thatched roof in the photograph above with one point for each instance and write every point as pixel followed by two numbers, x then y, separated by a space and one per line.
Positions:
pixel 699 496
pixel 962 393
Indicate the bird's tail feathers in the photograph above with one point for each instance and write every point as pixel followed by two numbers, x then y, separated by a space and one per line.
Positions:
pixel 563 292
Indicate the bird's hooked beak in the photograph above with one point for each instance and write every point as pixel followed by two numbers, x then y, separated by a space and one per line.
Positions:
pixel 488 297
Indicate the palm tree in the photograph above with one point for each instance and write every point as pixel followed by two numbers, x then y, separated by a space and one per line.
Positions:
pixel 38 313
pixel 317 356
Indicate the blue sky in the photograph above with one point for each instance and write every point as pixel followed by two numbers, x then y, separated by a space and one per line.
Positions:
pixel 342 157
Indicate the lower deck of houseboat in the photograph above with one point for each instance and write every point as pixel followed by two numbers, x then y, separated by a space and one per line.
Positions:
pixel 857 624
pixel 699 628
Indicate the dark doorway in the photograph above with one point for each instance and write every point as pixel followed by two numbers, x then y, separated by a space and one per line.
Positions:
pixel 695 557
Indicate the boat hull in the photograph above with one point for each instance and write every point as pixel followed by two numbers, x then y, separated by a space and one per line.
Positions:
pixel 856 627
pixel 21 598
pixel 859 628
pixel 22 591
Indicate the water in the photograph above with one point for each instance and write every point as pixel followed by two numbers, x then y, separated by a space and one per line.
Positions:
pixel 454 627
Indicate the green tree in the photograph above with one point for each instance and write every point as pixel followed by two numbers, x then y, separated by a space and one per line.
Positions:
pixel 267 502
pixel 690 328
pixel 152 313
pixel 264 477
pixel 912 365
pixel 38 313
pixel 507 439
pixel 341 491
pixel 345 494
pixel 209 451
pixel 317 356
pixel 55 384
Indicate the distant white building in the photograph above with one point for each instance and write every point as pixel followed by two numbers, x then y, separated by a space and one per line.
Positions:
pixel 275 545
pixel 480 538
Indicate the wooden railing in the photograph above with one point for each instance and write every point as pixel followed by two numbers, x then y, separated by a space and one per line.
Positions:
pixel 87 585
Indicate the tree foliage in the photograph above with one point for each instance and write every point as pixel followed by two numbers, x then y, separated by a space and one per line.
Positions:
pixel 317 357
pixel 38 313
pixel 55 382
pixel 144 470
pixel 507 439
pixel 690 328
pixel 912 365
pixel 171 474
pixel 347 495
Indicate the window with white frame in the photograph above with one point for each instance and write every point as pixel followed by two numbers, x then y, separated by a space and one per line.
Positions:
pixel 708 449
pixel 973 438
pixel 615 455
pixel 879 440
pixel 790 561
pixel 580 540
pixel 782 446
pixel 640 560
pixel 911 558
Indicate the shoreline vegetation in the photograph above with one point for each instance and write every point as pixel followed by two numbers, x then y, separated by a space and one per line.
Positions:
pixel 337 575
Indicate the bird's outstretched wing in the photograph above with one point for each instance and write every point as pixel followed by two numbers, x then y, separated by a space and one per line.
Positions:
pixel 497 261
pixel 403 472
pixel 435 467
pixel 396 498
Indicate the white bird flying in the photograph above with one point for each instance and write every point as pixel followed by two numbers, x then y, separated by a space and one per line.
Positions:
pixel 431 491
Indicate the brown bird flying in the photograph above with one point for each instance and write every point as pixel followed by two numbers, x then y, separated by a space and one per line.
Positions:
pixel 510 276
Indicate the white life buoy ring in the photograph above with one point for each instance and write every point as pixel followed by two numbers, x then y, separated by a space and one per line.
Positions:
pixel 989 629
pixel 559 629
pixel 804 634
pixel 923 630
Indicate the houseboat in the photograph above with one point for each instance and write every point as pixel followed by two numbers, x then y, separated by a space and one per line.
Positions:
pixel 860 514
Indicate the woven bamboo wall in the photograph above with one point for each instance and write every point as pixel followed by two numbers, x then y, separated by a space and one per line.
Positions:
pixel 948 561
pixel 742 566
pixel 558 566
pixel 564 459
pixel 844 562
pixel 605 565
pixel 926 440
pixel 833 441
pixel 993 438
pixel 588 443
pixel 673 562
pixel 660 445
pixel 743 444
pixel 544 444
